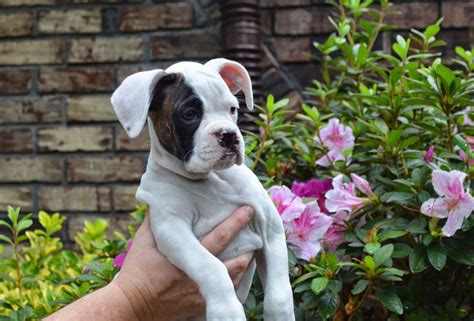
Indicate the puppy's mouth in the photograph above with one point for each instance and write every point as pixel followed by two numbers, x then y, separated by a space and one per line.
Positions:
pixel 230 153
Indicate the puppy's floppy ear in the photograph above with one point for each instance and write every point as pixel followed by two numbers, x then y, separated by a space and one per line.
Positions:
pixel 235 76
pixel 131 100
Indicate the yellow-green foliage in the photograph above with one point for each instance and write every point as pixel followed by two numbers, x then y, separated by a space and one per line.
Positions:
pixel 40 276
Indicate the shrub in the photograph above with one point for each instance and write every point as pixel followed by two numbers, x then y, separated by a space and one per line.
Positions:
pixel 384 147
pixel 41 276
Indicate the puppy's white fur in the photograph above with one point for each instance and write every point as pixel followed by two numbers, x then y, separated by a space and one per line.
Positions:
pixel 186 201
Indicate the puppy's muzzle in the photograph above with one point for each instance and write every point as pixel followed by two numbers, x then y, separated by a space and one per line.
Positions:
pixel 227 138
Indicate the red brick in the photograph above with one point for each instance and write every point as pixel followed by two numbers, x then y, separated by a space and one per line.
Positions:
pixel 26 169
pixel 16 24
pixel 31 52
pixel 292 49
pixel 70 21
pixel 123 143
pixel 75 79
pixel 72 139
pixel 412 15
pixel 275 3
pixel 15 81
pixel 124 197
pixel 184 46
pixel 90 108
pixel 458 14
pixel 74 198
pixel 15 3
pixel 123 71
pixel 155 17
pixel 105 169
pixel 34 110
pixel 16 197
pixel 303 21
pixel 16 140
pixel 106 49
pixel 107 1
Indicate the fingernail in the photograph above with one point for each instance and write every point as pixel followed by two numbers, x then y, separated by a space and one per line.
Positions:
pixel 249 211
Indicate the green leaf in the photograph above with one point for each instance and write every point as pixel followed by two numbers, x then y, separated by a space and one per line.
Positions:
pixel 437 255
pixel 369 263
pixel 390 300
pixel 416 259
pixel 446 74
pixel 382 254
pixel 396 197
pixel 24 224
pixel 401 250
pixel 319 284
pixel 13 214
pixel 394 137
pixel 6 239
pixel 417 226
pixel 370 248
pixel 387 235
pixel 360 286
pixel 328 304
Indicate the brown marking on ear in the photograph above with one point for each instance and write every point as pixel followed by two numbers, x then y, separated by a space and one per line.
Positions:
pixel 169 92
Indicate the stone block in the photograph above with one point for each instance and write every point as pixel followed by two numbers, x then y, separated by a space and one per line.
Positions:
pixel 74 198
pixel 31 52
pixel 75 79
pixel 16 24
pixel 15 82
pixel 156 17
pixel 123 143
pixel 16 197
pixel 31 110
pixel 106 49
pixel 184 46
pixel 70 21
pixel 124 197
pixel 90 108
pixel 16 140
pixel 73 139
pixel 30 169
pixel 105 169
pixel 292 49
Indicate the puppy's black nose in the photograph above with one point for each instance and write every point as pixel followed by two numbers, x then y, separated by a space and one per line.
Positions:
pixel 227 138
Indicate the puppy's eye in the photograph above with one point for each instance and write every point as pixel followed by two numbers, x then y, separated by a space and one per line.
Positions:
pixel 190 114
pixel 233 110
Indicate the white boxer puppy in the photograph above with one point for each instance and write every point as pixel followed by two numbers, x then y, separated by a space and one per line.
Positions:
pixel 195 178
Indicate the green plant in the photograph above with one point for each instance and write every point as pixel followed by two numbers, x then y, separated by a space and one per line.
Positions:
pixel 409 115
pixel 40 276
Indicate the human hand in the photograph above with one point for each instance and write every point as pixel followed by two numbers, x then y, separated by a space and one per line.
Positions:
pixel 157 290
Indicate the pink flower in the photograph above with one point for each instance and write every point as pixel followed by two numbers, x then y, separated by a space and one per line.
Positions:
pixel 315 188
pixel 288 204
pixel 343 197
pixel 306 231
pixel 362 185
pixel 337 138
pixel 454 202
pixel 335 234
pixel 428 158
pixel 120 259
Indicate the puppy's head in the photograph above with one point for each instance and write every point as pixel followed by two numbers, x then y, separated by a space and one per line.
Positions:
pixel 193 110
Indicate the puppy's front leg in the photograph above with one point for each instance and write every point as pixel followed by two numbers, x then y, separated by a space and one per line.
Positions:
pixel 272 263
pixel 175 239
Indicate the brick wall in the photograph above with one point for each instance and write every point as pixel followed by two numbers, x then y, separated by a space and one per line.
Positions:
pixel 61 148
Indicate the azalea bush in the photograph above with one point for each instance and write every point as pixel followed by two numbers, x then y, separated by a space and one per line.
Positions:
pixel 372 178
pixel 40 276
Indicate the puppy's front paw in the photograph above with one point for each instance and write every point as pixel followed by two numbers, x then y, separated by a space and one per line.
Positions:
pixel 225 311
pixel 280 314
pixel 279 308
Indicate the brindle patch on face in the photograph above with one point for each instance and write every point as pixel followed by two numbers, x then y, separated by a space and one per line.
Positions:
pixel 176 112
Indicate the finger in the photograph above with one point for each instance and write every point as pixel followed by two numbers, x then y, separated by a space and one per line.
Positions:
pixel 238 265
pixel 217 240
